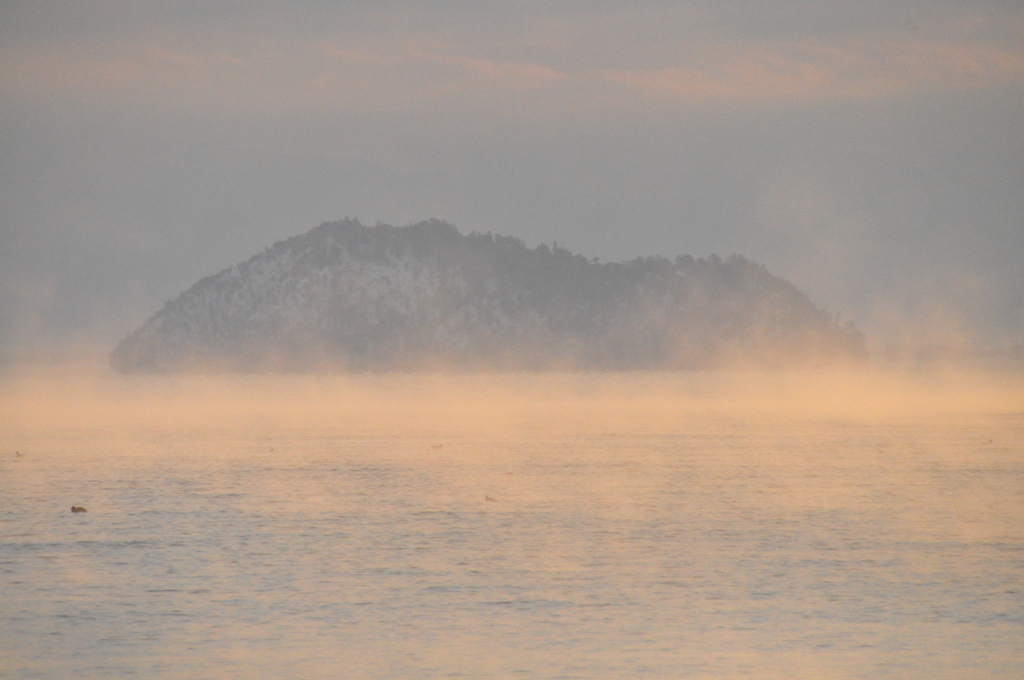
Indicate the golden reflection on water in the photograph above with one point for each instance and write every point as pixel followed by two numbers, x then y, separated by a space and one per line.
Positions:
pixel 856 524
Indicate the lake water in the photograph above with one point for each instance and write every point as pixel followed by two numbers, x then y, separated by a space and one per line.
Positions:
pixel 651 526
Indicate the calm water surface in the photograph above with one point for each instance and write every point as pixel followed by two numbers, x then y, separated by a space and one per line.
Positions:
pixel 703 545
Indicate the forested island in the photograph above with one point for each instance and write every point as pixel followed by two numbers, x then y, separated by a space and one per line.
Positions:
pixel 346 297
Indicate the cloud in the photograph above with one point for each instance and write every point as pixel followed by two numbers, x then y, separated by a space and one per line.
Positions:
pixel 558 67
pixel 289 78
pixel 805 72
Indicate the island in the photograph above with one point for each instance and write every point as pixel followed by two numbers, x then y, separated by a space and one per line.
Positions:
pixel 425 297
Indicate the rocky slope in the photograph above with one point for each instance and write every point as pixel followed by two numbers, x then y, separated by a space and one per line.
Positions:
pixel 424 297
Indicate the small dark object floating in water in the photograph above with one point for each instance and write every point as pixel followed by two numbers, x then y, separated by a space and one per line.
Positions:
pixel 488 498
pixel 17 454
pixel 78 508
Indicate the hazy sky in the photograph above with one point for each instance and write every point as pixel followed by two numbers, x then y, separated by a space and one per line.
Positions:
pixel 870 152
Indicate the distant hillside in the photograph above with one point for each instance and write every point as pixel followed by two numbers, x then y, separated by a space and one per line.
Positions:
pixel 424 297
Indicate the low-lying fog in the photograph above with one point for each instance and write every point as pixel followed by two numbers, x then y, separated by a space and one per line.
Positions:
pixel 95 397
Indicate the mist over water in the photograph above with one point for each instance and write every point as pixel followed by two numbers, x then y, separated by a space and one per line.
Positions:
pixel 162 167
pixel 660 525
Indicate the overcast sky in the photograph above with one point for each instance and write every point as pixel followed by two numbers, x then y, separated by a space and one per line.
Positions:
pixel 870 152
